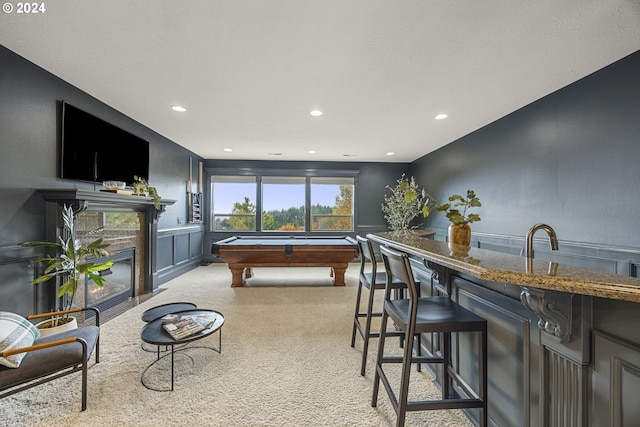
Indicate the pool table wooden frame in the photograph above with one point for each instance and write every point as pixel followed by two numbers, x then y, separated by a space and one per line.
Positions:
pixel 242 253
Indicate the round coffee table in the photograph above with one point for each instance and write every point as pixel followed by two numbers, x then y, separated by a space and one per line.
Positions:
pixel 164 309
pixel 153 333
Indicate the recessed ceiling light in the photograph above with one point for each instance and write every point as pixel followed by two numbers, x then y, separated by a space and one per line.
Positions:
pixel 311 151
pixel 441 116
pixel 178 108
pixel 316 113
pixel 390 153
pixel 228 150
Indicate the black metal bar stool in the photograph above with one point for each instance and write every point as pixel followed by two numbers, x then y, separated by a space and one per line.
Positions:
pixel 370 279
pixel 417 315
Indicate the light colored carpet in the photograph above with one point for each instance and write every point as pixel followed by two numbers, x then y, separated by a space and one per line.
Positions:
pixel 285 361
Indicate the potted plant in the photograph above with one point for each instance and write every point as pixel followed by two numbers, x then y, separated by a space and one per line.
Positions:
pixel 141 187
pixel 406 202
pixel 71 264
pixel 138 188
pixel 459 229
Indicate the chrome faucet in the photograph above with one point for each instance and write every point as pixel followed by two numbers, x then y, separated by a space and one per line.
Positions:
pixel 553 240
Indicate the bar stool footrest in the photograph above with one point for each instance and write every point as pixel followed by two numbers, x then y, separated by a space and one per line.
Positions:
pixel 427 405
pixel 415 359
pixel 374 314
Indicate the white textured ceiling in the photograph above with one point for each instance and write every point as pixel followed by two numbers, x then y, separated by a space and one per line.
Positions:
pixel 249 71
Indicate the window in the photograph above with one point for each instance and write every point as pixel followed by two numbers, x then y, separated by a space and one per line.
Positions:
pixel 280 201
pixel 283 203
pixel 233 206
pixel 332 204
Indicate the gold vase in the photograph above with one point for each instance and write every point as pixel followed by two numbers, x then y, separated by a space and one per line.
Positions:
pixel 460 234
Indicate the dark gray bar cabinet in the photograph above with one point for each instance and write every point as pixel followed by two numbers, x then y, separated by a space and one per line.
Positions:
pixel 564 342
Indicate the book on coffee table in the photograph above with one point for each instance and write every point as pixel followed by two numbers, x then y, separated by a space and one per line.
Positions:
pixel 205 319
pixel 183 328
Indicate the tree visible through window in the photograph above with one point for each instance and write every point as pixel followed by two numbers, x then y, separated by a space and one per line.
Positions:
pixel 243 216
pixel 328 216
pixel 283 203
pixel 287 203
pixel 232 208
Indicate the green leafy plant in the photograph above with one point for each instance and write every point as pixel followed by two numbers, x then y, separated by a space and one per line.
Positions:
pixel 141 187
pixel 406 202
pixel 70 263
pixel 452 209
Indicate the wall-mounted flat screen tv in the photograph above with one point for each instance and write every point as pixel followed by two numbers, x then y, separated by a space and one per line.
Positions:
pixel 97 151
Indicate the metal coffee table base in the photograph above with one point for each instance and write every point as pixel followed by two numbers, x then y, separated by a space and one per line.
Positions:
pixel 177 349
pixel 154 334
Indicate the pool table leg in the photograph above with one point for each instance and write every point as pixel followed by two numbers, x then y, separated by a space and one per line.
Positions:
pixel 338 274
pixel 237 276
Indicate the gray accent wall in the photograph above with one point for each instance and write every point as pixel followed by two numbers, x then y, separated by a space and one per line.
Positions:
pixel 30 108
pixel 30 138
pixel 570 159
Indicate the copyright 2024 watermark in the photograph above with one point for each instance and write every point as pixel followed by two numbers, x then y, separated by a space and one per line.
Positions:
pixel 24 8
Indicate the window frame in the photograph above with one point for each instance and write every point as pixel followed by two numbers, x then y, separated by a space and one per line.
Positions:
pixel 308 174
pixel 232 179
pixel 335 180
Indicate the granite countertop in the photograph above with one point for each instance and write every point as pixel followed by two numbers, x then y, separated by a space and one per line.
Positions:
pixel 506 268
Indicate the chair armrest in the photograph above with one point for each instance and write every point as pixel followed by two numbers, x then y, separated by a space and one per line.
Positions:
pixel 39 346
pixel 73 310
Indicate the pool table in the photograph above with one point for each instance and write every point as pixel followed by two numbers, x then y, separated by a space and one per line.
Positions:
pixel 244 252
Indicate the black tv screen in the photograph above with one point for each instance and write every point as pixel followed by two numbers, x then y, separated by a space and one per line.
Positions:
pixel 97 151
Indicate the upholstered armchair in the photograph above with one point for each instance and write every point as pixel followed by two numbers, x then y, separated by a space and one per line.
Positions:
pixel 28 360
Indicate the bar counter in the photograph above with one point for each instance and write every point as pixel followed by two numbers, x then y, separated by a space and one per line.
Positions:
pixel 500 267
pixel 564 342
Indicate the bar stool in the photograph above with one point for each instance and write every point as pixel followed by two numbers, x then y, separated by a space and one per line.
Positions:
pixel 417 315
pixel 370 279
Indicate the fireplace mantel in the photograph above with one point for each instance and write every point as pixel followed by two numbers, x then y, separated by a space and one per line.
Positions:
pixel 103 200
pixel 83 199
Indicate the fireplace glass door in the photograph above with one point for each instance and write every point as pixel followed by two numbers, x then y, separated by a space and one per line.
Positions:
pixel 121 230
pixel 118 284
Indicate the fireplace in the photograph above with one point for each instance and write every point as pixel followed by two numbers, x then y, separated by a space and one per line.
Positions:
pixel 122 231
pixel 118 286
pixel 128 223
